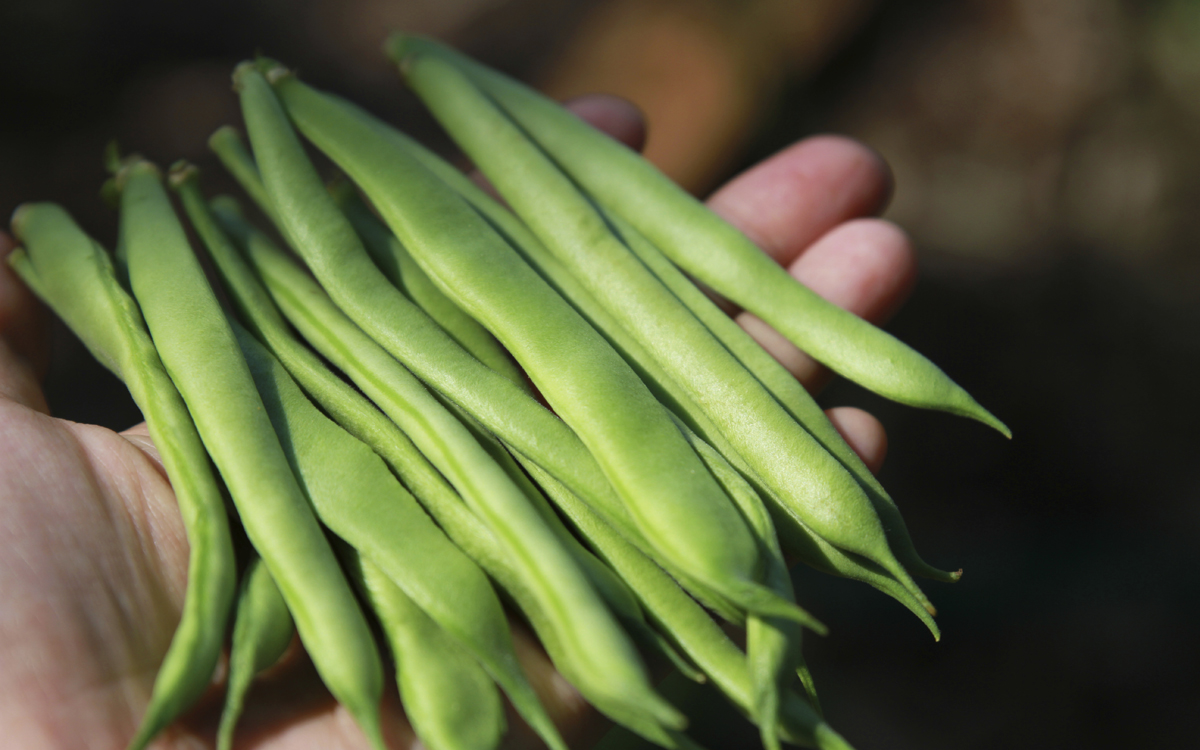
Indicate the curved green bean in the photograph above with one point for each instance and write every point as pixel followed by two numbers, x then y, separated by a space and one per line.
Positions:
pixel 262 632
pixel 609 673
pixel 586 382
pixel 76 278
pixel 713 251
pixel 400 268
pixel 785 388
pixel 448 698
pixel 452 449
pixel 332 463
pixel 814 486
pixel 359 500
pixel 200 354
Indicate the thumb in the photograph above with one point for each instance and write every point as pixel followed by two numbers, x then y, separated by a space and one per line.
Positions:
pixel 24 337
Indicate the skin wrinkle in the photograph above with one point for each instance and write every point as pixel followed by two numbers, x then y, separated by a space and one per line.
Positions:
pixel 73 606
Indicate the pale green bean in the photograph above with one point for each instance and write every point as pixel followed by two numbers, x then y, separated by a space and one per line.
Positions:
pixel 76 278
pixel 459 597
pixel 815 487
pixel 262 631
pixel 200 353
pixel 713 251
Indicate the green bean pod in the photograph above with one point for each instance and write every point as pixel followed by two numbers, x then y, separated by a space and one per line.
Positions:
pixel 609 672
pixel 360 501
pixel 582 631
pixel 262 631
pixel 688 626
pixel 458 597
pixel 713 251
pixel 495 402
pixel 448 698
pixel 586 382
pixel 342 402
pixel 400 268
pixel 202 357
pixel 76 278
pixel 814 486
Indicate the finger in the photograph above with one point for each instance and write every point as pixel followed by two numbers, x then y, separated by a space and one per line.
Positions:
pixel 619 118
pixel 863 433
pixel 24 337
pixel 866 266
pixel 787 202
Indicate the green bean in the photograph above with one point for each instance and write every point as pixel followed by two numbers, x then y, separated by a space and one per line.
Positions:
pixel 772 645
pixel 403 271
pixel 441 437
pixel 784 387
pixel 460 598
pixel 75 277
pixel 227 144
pixel 360 501
pixel 200 354
pixel 524 425
pixel 450 701
pixel 342 402
pixel 609 672
pixel 814 486
pixel 584 380
pixel 713 251
pixel 684 621
pixel 262 632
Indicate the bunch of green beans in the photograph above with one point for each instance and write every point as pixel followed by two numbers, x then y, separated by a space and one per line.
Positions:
pixel 446 405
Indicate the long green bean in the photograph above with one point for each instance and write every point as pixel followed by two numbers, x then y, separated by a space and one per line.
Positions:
pixel 713 251
pixel 449 699
pixel 359 500
pixel 200 354
pixel 458 596
pixel 579 374
pixel 446 442
pixel 75 277
pixel 814 486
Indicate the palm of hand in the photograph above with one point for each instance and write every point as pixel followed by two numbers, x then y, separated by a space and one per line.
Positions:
pixel 93 556
pixel 91 566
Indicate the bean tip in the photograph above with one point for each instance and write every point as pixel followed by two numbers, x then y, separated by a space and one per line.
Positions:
pixel 243 69
pixel 222 134
pixel 273 70
pixel 181 173
pixel 17 221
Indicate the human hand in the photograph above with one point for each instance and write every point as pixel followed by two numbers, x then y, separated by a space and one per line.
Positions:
pixel 92 551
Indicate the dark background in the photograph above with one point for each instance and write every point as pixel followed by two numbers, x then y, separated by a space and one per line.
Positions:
pixel 1045 156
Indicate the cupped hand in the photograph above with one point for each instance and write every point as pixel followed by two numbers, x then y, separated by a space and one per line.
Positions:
pixel 93 555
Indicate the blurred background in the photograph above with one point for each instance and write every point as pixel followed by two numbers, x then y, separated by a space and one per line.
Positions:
pixel 1047 163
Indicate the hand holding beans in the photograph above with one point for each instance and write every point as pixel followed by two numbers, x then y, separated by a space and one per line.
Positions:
pixel 57 476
